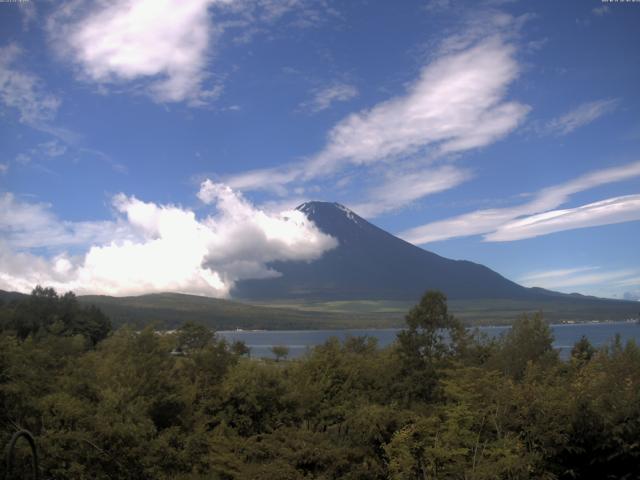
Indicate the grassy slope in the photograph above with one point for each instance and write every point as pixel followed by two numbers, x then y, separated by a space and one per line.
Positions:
pixel 483 312
pixel 169 310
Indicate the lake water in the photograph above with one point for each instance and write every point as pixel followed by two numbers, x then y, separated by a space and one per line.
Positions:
pixel 301 341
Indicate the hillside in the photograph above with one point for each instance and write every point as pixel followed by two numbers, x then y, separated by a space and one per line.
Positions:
pixel 169 310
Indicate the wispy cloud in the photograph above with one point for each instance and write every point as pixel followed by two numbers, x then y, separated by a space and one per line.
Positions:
pixel 539 212
pixel 601 11
pixel 576 277
pixel 245 19
pixel 605 212
pixel 29 14
pixel 578 117
pixel 458 103
pixel 403 188
pixel 58 149
pixel 26 95
pixel 324 97
pixel 34 225
pixel 23 92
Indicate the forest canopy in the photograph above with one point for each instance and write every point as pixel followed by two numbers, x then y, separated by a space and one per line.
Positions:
pixel 441 402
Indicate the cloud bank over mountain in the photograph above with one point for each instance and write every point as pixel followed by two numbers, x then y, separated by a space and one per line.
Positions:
pixel 150 247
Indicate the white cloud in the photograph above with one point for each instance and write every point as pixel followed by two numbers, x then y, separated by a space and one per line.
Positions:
pixel 403 188
pixel 244 19
pixel 29 14
pixel 458 103
pixel 601 11
pixel 323 98
pixel 34 225
pixel 53 148
pixel 23 159
pixel 272 179
pixel 575 277
pixel 438 5
pixel 156 248
pixel 162 47
pixel 545 201
pixel 579 117
pixel 604 212
pixel 23 91
pixel 164 42
pixel 4 168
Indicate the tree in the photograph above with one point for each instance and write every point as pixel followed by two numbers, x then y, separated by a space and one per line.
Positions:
pixel 582 351
pixel 529 340
pixel 240 348
pixel 280 352
pixel 193 336
pixel 432 336
pixel 44 312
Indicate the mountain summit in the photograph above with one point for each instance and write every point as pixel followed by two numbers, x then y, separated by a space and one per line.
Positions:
pixel 370 263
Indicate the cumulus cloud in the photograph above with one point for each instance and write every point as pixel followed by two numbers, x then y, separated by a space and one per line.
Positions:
pixel 324 97
pixel 579 117
pixel 23 92
pixel 163 42
pixel 538 216
pixel 160 247
pixel 161 47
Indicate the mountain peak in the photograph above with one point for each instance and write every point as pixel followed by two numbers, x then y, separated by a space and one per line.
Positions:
pixel 316 210
pixel 316 204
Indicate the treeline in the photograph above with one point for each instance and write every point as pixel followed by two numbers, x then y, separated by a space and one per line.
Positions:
pixel 440 403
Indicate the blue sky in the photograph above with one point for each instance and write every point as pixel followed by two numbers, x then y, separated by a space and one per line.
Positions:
pixel 154 145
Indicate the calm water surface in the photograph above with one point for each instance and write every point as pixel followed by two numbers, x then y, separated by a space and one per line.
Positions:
pixel 301 341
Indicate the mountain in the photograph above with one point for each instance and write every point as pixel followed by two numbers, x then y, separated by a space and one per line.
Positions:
pixel 370 280
pixel 370 263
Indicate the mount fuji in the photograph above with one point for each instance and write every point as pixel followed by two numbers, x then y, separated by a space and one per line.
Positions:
pixel 370 263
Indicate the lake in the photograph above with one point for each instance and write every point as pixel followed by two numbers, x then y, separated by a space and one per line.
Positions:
pixel 301 341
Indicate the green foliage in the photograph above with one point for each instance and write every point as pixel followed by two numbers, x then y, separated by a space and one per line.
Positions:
pixel 582 351
pixel 529 341
pixel 280 352
pixel 240 348
pixel 192 337
pixel 438 404
pixel 432 337
pixel 44 312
